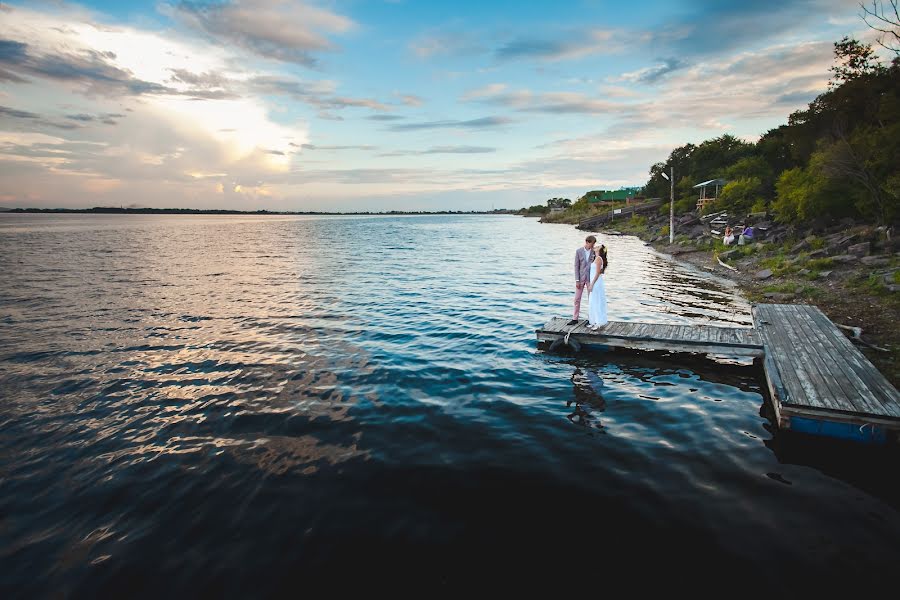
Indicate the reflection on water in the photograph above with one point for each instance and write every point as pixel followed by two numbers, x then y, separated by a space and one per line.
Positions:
pixel 245 406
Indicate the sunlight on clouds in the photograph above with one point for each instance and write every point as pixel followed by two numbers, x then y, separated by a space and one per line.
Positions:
pixel 165 136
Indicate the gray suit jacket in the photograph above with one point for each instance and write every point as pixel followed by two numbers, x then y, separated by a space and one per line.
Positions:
pixel 583 267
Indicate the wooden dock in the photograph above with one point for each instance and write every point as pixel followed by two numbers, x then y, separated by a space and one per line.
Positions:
pixel 818 381
pixel 702 339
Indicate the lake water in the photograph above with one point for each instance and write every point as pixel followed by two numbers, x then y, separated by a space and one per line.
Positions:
pixel 256 406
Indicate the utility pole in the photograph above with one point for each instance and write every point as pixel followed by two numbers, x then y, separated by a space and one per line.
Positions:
pixel 672 207
pixel 671 178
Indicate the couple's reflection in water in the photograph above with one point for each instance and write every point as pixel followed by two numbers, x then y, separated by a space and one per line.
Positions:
pixel 587 401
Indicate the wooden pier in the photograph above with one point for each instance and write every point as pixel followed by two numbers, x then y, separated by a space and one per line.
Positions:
pixel 818 381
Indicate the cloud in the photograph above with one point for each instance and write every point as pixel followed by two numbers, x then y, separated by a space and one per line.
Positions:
pixel 91 68
pixel 411 100
pixel 575 45
pixel 482 123
pixel 333 148
pixel 18 114
pixel 385 117
pixel 546 102
pixel 447 44
pixel 487 91
pixel 284 31
pixel 655 73
pixel 316 93
pixel 442 150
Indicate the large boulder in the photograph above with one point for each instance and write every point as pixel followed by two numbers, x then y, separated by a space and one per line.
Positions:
pixel 859 249
pixel 764 274
pixel 875 261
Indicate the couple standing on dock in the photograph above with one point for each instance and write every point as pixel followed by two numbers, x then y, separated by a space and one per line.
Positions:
pixel 590 265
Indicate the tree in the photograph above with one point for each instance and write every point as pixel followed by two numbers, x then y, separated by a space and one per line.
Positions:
pixel 884 20
pixel 740 195
pixel 854 59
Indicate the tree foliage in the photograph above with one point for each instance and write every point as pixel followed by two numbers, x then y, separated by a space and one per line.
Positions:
pixel 837 157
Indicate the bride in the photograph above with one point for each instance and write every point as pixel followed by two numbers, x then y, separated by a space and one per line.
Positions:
pixel 597 291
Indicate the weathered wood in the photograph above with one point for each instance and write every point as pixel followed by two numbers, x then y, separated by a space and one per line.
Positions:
pixel 812 370
pixel 858 368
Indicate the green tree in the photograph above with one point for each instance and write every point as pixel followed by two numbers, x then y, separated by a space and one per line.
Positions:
pixel 740 195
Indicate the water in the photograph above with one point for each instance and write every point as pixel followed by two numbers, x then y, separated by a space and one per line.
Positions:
pixel 255 406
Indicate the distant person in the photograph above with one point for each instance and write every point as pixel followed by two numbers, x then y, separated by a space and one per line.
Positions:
pixel 597 290
pixel 746 235
pixel 729 236
pixel 584 256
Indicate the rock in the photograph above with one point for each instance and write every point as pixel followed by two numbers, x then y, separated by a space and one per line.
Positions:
pixel 824 274
pixel 764 274
pixel 844 258
pixel 779 296
pixel 893 288
pixel 804 272
pixel 800 247
pixel 817 253
pixel 727 255
pixel 839 242
pixel 765 225
pixel 698 231
pixel 689 219
pixel 859 249
pixel 875 261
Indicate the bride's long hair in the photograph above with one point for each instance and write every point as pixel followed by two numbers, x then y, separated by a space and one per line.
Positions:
pixel 602 254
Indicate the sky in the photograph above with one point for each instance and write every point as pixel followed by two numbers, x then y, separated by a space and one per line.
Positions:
pixel 349 105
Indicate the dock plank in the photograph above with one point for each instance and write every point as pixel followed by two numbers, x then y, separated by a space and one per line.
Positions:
pixel 810 356
pixel 851 393
pixel 885 399
pixel 778 349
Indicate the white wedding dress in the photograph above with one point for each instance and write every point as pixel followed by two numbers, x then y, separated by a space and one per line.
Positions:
pixel 597 300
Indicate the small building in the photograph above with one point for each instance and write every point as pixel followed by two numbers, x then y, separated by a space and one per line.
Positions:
pixel 626 194
pixel 705 187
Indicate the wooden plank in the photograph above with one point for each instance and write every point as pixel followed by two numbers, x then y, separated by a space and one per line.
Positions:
pixel 804 372
pixel 884 399
pixel 801 390
pixel 885 392
pixel 775 348
pixel 808 353
pixel 777 391
pixel 849 391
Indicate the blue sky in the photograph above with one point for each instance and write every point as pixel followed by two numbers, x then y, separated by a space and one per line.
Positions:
pixel 380 105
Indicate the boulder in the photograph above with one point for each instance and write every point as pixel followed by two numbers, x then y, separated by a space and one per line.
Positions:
pixel 800 247
pixel 875 261
pixel 817 253
pixel 893 288
pixel 859 249
pixel 764 274
pixel 844 258
pixel 824 274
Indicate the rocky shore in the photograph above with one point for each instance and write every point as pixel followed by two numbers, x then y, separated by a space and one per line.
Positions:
pixel 851 272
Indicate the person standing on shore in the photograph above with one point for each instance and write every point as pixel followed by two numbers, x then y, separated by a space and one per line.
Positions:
pixel 584 256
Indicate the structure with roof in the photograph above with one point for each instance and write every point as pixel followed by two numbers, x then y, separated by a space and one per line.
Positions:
pixel 705 198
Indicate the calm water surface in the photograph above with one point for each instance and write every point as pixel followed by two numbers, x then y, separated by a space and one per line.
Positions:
pixel 255 406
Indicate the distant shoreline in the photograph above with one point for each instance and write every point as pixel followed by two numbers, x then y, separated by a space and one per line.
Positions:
pixel 202 211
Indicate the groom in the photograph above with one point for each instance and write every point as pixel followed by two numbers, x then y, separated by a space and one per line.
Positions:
pixel 584 256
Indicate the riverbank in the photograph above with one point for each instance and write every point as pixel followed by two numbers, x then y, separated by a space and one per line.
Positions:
pixel 851 272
